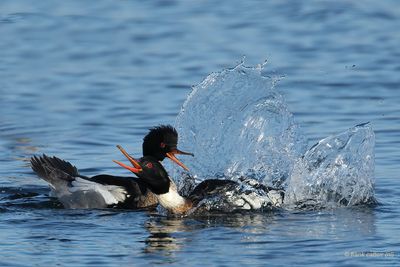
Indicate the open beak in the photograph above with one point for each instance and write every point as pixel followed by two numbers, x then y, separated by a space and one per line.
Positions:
pixel 171 156
pixel 136 166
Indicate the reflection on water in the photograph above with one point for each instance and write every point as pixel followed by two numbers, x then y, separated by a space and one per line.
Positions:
pixel 171 239
pixel 259 234
pixel 161 234
pixel 25 145
pixel 168 233
pixel 171 234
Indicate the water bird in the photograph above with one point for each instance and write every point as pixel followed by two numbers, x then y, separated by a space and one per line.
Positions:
pixel 209 195
pixel 102 191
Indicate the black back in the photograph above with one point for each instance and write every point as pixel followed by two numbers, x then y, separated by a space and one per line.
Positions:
pixel 137 190
pixel 211 187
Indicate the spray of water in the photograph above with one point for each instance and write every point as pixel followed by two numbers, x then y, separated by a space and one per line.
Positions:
pixel 337 171
pixel 238 125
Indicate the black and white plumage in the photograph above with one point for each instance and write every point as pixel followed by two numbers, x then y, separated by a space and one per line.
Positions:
pixel 103 191
pixel 209 195
pixel 74 190
pixel 153 185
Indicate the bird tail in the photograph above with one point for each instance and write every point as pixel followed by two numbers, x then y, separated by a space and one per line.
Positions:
pixel 55 171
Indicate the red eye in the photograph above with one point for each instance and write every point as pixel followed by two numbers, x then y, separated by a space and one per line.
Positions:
pixel 162 145
pixel 149 165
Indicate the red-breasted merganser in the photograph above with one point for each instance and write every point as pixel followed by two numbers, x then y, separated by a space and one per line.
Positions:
pixel 101 191
pixel 230 194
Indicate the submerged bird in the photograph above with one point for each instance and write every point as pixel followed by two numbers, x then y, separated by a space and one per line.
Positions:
pixel 209 195
pixel 101 191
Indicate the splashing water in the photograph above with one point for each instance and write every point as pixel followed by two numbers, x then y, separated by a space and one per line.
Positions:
pixel 238 125
pixel 337 171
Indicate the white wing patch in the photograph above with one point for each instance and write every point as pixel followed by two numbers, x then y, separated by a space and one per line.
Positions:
pixel 111 194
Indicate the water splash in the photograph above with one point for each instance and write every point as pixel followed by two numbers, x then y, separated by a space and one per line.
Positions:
pixel 337 171
pixel 236 124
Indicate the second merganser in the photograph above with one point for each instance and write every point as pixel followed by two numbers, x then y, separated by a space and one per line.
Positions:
pixel 74 190
pixel 230 194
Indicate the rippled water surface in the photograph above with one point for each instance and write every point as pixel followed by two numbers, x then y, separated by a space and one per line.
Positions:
pixel 79 77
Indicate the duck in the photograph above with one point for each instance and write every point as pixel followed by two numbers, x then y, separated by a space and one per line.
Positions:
pixel 210 195
pixel 78 191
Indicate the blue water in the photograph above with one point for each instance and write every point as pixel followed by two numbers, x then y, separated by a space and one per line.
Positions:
pixel 79 77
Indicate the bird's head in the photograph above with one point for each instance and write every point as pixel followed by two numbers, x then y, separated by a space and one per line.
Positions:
pixel 162 142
